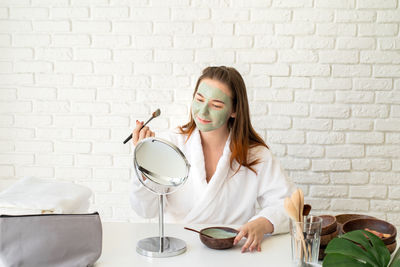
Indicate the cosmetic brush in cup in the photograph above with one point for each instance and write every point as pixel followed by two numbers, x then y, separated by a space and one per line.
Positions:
pixel 154 115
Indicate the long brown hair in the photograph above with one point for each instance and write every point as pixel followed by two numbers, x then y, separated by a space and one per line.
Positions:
pixel 243 135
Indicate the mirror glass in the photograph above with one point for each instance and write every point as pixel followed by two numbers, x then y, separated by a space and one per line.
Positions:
pixel 160 165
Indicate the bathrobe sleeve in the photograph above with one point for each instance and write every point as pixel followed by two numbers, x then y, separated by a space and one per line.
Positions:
pixel 274 186
pixel 144 202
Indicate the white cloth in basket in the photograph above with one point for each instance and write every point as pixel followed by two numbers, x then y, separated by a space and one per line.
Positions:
pixel 33 196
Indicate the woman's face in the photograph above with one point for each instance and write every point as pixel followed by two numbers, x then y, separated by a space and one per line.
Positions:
pixel 212 105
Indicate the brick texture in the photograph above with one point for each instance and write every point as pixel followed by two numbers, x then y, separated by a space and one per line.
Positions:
pixel 323 80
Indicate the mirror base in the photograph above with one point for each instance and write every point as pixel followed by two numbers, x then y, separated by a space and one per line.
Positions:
pixel 150 247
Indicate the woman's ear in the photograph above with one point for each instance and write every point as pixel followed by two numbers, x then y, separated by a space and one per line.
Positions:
pixel 233 114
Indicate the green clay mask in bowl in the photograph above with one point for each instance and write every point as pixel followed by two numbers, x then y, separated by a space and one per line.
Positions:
pixel 219 233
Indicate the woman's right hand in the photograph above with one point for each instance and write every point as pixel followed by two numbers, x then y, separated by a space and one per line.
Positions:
pixel 139 134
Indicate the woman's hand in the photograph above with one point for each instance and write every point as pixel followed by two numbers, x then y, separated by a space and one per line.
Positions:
pixel 254 232
pixel 138 134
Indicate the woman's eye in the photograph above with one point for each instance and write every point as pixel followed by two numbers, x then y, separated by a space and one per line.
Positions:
pixel 217 106
pixel 199 99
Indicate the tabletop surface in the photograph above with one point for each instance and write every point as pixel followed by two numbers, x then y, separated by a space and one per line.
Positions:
pixel 119 248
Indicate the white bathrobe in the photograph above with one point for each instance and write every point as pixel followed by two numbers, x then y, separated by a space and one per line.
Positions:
pixel 228 198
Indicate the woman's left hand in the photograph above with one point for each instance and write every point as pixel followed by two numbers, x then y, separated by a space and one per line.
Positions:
pixel 254 232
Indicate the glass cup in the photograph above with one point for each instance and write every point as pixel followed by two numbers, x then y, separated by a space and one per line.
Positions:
pixel 305 239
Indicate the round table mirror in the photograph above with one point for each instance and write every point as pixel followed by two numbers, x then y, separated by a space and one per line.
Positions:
pixel 161 167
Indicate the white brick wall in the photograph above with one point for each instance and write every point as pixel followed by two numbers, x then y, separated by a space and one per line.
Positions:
pixel 323 80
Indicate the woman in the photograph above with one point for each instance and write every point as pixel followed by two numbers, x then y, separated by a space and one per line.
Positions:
pixel 232 169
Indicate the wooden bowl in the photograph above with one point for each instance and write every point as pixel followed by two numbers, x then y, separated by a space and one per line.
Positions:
pixel 373 224
pixel 343 218
pixel 329 224
pixel 219 241
pixel 326 238
pixel 321 254
pixel 391 247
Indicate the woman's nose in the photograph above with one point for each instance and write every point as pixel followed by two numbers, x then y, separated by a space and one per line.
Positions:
pixel 204 109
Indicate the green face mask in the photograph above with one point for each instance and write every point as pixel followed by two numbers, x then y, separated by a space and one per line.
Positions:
pixel 208 113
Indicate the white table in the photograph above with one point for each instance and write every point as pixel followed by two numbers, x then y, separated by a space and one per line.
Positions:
pixel 119 248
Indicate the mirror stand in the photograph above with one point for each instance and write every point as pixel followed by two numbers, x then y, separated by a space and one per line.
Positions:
pixel 165 168
pixel 161 246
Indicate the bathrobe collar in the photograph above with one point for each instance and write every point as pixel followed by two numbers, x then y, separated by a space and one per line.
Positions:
pixel 198 174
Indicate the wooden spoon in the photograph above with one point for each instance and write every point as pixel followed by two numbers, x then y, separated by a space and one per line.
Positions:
pixel 301 194
pixel 190 229
pixel 296 202
pixel 306 209
pixel 291 209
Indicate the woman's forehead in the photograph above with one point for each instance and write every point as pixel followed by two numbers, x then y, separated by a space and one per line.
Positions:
pixel 215 87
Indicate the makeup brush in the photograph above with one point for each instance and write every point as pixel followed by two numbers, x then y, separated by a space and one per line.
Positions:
pixel 154 115
pixel 190 229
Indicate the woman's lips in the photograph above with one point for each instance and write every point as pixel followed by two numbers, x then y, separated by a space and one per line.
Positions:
pixel 203 121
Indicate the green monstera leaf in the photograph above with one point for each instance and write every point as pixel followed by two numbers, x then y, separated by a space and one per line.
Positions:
pixel 396 260
pixel 357 249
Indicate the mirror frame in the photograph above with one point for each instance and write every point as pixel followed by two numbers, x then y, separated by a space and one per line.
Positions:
pixel 148 174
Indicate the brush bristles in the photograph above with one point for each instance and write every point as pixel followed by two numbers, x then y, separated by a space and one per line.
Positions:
pixel 156 113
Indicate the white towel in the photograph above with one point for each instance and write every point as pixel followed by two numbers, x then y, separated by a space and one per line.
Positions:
pixel 32 195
